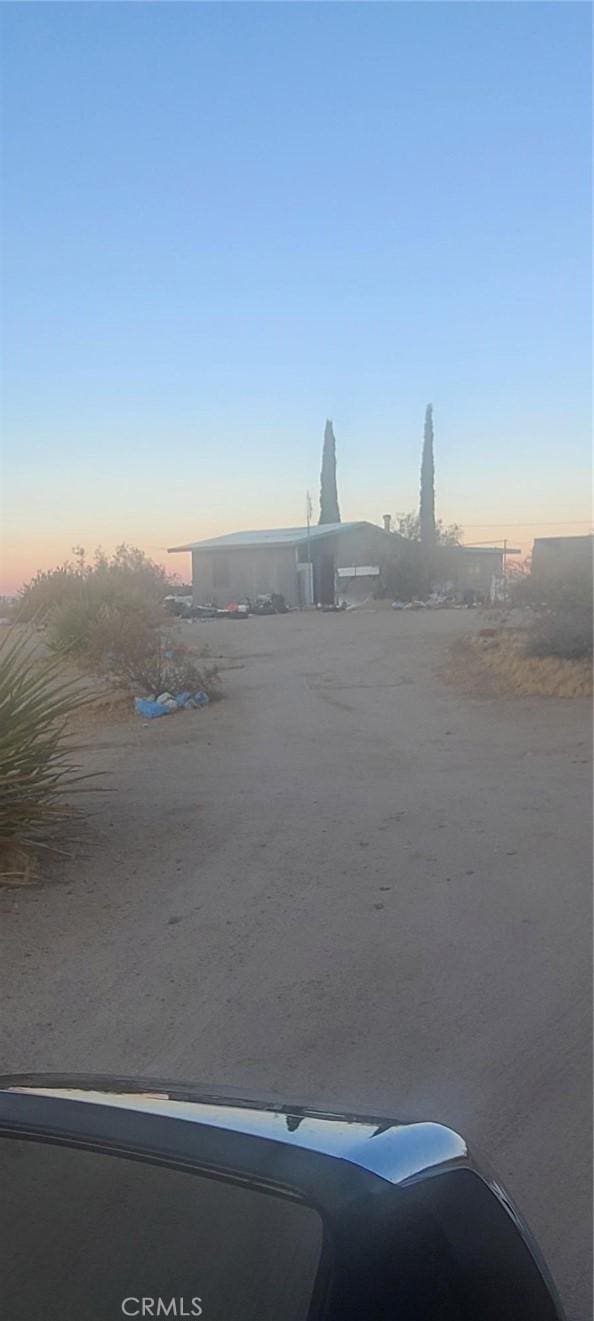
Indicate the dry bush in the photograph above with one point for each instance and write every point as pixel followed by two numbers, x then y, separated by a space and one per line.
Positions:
pixel 148 658
pixel 500 667
pixel 86 624
pixel 110 617
pixel 564 632
pixel 78 590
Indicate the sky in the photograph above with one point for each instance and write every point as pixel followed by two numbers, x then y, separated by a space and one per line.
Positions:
pixel 224 223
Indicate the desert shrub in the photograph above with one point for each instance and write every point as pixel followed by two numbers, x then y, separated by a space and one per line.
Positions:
pixel 83 625
pixel 185 674
pixel 136 650
pixel 573 594
pixel 70 623
pixel 36 768
pixel 128 575
pixel 185 671
pixel 526 588
pixel 564 631
pixel 110 617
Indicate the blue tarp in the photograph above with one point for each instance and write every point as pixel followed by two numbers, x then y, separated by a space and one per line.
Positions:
pixel 151 710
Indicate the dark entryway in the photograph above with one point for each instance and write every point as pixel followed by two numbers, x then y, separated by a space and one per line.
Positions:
pixel 325 591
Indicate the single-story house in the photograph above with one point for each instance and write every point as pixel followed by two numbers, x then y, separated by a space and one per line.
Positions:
pixel 302 564
pixel 562 559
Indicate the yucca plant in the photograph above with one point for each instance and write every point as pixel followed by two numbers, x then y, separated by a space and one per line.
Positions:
pixel 37 772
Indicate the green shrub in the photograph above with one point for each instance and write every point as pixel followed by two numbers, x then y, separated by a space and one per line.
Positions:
pixel 36 768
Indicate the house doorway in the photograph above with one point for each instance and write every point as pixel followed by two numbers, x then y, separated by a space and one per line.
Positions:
pixel 325 593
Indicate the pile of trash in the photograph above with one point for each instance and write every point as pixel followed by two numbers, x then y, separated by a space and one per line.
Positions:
pixel 234 610
pixel 270 603
pixel 440 601
pixel 167 704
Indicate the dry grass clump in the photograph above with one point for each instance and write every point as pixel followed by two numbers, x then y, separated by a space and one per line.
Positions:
pixel 500 667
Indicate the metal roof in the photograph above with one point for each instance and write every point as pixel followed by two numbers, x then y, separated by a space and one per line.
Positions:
pixel 276 536
pixel 583 541
pixel 484 550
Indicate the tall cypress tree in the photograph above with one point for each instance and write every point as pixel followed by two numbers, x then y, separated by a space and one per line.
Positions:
pixel 427 501
pixel 329 510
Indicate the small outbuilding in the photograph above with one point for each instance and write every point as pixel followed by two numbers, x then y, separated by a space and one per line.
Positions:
pixel 563 560
pixel 302 564
pixel 472 571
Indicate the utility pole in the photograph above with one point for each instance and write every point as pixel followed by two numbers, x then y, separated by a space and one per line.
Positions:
pixel 308 514
pixel 504 566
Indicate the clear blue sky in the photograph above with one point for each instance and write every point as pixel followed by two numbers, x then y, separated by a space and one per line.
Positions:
pixel 224 223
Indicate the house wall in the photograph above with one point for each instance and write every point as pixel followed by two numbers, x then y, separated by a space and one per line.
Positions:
pixel 562 559
pixel 468 570
pixel 224 575
pixel 362 545
pixel 231 575
pixel 354 546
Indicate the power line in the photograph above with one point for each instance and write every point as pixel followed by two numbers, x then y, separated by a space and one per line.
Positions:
pixel 561 522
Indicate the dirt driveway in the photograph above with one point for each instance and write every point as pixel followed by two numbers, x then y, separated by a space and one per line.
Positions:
pixel 346 884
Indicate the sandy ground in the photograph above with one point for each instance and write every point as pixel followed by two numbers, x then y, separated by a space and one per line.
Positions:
pixel 347 884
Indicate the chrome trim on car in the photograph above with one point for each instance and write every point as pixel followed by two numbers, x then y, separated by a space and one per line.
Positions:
pixel 395 1152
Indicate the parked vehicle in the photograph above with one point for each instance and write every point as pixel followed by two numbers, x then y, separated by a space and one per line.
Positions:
pixel 123 1196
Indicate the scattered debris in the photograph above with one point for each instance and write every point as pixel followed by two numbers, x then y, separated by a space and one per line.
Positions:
pixel 234 610
pixel 195 612
pixel 144 707
pixel 270 603
pixel 167 700
pixel 166 704
pixel 436 601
